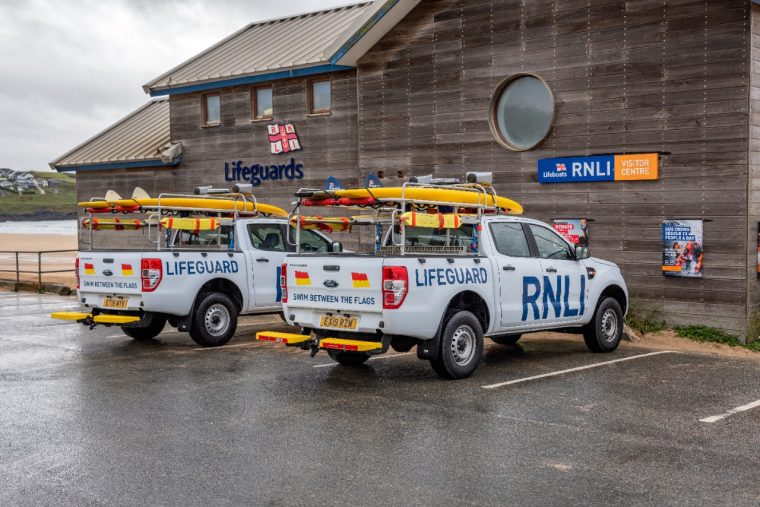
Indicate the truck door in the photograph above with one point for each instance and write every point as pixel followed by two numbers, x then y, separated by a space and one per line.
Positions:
pixel 564 281
pixel 267 253
pixel 515 265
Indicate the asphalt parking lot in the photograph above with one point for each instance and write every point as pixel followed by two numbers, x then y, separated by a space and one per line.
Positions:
pixel 92 417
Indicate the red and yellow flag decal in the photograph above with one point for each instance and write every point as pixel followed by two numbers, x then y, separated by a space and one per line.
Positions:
pixel 360 280
pixel 126 270
pixel 89 269
pixel 302 278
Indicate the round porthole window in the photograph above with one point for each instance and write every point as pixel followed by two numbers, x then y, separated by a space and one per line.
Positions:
pixel 522 112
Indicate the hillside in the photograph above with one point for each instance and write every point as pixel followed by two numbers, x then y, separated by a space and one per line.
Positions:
pixel 37 196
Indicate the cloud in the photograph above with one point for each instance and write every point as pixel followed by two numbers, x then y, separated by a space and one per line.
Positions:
pixel 71 68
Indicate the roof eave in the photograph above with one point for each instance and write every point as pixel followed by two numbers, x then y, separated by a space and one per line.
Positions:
pixel 121 164
pixel 246 79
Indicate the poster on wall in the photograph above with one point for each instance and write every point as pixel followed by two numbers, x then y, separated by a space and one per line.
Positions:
pixel 682 248
pixel 575 230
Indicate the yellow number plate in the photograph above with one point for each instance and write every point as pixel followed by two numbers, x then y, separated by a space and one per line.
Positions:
pixel 339 322
pixel 116 302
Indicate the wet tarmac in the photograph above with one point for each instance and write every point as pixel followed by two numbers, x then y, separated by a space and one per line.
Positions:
pixel 92 417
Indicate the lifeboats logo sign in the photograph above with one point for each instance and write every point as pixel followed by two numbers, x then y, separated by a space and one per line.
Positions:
pixel 599 168
pixel 255 174
pixel 282 139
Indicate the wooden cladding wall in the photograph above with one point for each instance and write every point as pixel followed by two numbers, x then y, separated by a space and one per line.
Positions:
pixel 753 233
pixel 628 76
pixel 329 141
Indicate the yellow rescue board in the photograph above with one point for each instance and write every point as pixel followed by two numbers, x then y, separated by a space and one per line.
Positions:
pixel 189 202
pixel 190 224
pixel 113 224
pixel 431 220
pixel 429 194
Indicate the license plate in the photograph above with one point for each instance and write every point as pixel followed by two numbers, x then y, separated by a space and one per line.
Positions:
pixel 115 302
pixel 339 322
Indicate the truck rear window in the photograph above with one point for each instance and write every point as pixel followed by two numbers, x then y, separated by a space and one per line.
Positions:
pixel 424 236
pixel 204 239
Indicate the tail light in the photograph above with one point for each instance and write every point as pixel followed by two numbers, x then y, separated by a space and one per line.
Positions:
pixel 151 272
pixel 76 270
pixel 284 283
pixel 395 286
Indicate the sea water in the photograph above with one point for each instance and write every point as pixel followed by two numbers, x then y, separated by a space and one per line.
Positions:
pixel 62 227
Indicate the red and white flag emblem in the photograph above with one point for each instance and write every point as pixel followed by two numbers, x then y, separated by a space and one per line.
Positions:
pixel 561 167
pixel 283 138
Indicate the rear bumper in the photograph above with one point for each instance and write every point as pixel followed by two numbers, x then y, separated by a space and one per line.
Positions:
pixel 368 323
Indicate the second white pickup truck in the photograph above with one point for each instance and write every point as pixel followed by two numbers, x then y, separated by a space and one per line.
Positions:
pixel 521 277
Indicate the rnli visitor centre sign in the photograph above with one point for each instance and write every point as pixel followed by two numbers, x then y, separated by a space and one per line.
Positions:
pixel 599 168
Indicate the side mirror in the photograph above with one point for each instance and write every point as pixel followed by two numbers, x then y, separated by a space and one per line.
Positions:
pixel 336 247
pixel 582 252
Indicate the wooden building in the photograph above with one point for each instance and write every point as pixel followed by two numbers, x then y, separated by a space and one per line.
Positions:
pixel 403 87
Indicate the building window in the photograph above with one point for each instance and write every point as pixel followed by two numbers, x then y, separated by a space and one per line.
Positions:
pixel 212 109
pixel 522 112
pixel 320 96
pixel 261 101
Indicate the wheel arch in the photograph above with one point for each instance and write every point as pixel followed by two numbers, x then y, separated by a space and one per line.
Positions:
pixel 224 286
pixel 470 301
pixel 617 293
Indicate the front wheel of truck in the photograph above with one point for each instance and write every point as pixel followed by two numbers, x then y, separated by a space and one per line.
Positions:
pixel 348 358
pixel 215 320
pixel 147 332
pixel 605 330
pixel 461 347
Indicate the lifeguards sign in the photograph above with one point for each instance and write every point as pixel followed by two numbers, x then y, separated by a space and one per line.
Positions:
pixel 599 168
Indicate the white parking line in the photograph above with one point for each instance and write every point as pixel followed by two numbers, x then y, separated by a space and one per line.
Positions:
pixel 579 368
pixel 390 356
pixel 720 417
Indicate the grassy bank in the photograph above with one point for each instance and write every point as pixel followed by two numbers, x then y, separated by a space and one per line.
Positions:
pixel 37 206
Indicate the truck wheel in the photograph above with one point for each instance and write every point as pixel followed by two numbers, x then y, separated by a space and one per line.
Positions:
pixel 148 332
pixel 604 331
pixel 461 347
pixel 214 321
pixel 506 339
pixel 348 358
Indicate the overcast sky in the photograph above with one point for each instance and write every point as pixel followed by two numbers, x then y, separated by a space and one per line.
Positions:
pixel 70 68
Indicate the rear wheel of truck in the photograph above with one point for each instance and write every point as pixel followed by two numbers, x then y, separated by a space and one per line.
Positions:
pixel 605 330
pixel 461 346
pixel 214 321
pixel 148 332
pixel 507 339
pixel 348 358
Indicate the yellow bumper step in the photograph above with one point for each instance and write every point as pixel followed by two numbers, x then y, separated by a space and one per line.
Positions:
pixel 286 338
pixel 115 319
pixel 349 345
pixel 77 316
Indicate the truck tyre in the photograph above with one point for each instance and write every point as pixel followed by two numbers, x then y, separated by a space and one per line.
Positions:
pixel 147 332
pixel 348 358
pixel 604 331
pixel 214 320
pixel 461 346
pixel 506 339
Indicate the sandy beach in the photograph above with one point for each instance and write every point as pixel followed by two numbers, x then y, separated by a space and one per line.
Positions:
pixel 28 261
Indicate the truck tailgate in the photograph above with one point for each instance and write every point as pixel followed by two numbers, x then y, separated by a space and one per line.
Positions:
pixel 110 273
pixel 349 284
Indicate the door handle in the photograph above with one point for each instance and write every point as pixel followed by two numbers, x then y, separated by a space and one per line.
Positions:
pixel 508 267
pixel 262 259
pixel 551 270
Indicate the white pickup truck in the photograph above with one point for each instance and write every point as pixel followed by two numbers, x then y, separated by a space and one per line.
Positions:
pixel 522 277
pixel 199 283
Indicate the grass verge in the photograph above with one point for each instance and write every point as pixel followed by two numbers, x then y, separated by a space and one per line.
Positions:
pixel 707 334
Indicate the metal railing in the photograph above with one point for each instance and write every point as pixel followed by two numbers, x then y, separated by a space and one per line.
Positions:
pixel 20 263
